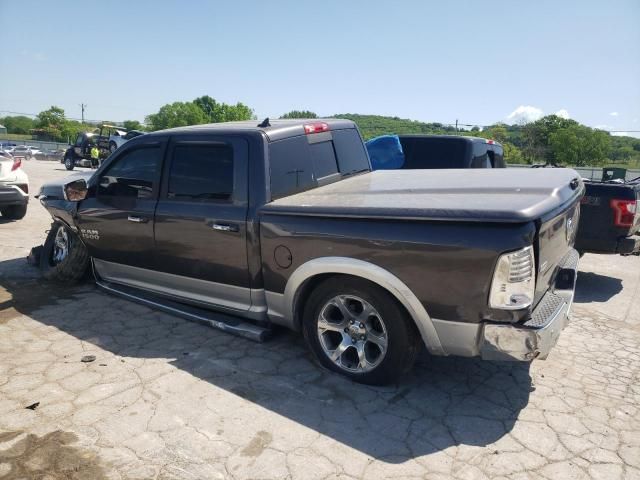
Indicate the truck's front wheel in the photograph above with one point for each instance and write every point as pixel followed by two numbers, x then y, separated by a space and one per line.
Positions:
pixel 358 329
pixel 64 258
pixel 69 163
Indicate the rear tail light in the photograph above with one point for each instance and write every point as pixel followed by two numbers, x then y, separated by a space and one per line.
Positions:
pixel 316 127
pixel 624 212
pixel 23 187
pixel 17 163
pixel 513 283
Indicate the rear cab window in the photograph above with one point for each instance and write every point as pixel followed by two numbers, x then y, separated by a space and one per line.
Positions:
pixel 306 161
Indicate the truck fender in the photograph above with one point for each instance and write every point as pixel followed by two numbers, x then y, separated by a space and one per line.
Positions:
pixel 366 270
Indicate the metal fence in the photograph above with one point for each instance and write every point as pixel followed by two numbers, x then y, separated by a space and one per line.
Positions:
pixel 591 173
pixel 42 145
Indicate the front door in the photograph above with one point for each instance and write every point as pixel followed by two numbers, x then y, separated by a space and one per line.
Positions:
pixel 200 222
pixel 116 221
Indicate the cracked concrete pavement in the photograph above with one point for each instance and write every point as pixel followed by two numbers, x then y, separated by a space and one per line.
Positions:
pixel 169 399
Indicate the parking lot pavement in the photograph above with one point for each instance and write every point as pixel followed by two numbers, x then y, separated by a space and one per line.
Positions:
pixel 159 397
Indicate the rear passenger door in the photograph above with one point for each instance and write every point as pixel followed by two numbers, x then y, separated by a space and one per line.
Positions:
pixel 200 222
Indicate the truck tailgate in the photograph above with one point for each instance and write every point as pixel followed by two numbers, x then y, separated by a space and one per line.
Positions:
pixel 555 239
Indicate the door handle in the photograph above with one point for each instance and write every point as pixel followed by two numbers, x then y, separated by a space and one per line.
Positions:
pixel 134 219
pixel 223 227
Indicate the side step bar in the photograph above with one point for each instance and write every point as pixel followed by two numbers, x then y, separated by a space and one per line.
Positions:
pixel 226 323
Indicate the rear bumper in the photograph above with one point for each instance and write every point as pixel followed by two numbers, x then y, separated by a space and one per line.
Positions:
pixel 629 245
pixel 12 195
pixel 536 337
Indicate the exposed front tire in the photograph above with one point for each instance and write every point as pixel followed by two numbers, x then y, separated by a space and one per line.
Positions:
pixel 64 258
pixel 14 212
pixel 69 163
pixel 359 330
pixel 112 147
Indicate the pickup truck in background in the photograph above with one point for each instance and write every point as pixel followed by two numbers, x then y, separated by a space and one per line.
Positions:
pixel 411 152
pixel 244 226
pixel 610 218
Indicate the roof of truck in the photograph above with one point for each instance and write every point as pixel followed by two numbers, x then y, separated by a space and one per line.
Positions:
pixel 277 129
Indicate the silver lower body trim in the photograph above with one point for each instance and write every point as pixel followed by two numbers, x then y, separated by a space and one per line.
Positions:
pixel 242 301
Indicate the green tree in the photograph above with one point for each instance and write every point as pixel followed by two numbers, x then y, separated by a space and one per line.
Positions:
pixel 132 125
pixel 52 121
pixel 70 130
pixel 300 114
pixel 512 154
pixel 177 114
pixel 623 154
pixel 497 132
pixel 578 145
pixel 536 138
pixel 221 112
pixel 19 124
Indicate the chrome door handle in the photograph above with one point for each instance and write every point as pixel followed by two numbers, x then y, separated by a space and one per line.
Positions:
pixel 134 219
pixel 224 227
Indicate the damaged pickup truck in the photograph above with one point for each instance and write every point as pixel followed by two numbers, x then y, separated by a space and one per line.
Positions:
pixel 244 226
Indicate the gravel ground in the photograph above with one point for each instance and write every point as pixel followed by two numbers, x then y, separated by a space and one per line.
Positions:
pixel 169 399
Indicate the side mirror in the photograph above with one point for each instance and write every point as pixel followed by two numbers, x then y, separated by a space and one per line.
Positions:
pixel 76 190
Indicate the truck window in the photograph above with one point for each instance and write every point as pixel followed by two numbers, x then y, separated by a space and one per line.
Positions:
pixel 133 174
pixel 202 172
pixel 297 164
pixel 324 159
pixel 351 153
pixel 290 167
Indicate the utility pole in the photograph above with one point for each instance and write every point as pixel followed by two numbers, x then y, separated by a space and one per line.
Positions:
pixel 83 106
pixel 456 125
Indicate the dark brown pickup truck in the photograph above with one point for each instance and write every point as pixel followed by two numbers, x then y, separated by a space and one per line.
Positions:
pixel 244 226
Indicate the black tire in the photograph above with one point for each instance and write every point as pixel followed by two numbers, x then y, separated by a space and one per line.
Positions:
pixel 14 212
pixel 75 264
pixel 403 338
pixel 112 147
pixel 69 164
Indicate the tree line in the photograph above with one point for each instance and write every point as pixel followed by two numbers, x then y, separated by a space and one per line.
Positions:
pixel 549 140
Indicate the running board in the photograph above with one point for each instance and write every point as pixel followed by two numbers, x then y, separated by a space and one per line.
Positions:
pixel 226 323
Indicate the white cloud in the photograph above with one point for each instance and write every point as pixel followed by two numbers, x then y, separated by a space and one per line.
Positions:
pixel 614 114
pixel 563 113
pixel 525 114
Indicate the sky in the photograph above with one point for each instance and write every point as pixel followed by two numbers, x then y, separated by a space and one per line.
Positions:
pixel 479 62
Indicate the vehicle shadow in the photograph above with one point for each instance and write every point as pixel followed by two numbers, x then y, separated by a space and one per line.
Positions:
pixel 593 287
pixel 443 402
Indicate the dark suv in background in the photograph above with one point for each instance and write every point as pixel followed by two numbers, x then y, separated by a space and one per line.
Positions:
pixel 418 152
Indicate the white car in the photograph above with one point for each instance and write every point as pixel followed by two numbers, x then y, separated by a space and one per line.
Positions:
pixel 14 187
pixel 120 137
pixel 25 151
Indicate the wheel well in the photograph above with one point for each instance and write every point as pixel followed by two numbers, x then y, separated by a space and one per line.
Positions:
pixel 303 293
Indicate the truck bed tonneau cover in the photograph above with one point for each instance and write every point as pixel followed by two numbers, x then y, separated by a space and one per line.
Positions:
pixel 476 195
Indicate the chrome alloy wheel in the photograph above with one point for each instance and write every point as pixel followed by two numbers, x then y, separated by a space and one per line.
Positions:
pixel 352 333
pixel 60 245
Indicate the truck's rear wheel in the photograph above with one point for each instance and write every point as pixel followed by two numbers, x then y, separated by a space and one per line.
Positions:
pixel 69 163
pixel 358 329
pixel 64 258
pixel 14 212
